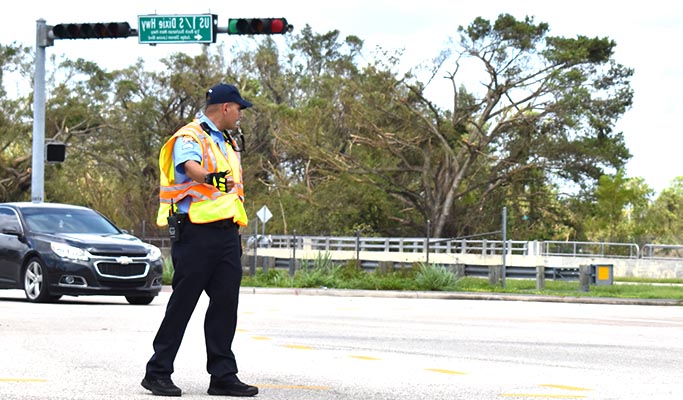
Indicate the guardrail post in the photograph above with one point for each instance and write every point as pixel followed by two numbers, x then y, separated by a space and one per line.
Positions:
pixel 385 267
pixel 358 249
pixel 429 233
pixel 584 277
pixel 292 262
pixel 494 274
pixel 458 270
pixel 271 262
pixel 540 277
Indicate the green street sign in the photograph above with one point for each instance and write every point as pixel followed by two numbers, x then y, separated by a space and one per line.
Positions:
pixel 199 28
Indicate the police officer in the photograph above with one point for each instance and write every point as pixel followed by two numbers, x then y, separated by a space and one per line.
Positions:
pixel 201 200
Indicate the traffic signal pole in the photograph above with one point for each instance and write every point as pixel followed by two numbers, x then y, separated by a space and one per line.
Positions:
pixel 38 155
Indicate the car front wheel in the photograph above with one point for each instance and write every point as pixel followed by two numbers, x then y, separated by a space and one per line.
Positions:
pixel 139 300
pixel 35 282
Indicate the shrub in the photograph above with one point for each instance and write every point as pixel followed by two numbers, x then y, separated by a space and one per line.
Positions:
pixel 434 277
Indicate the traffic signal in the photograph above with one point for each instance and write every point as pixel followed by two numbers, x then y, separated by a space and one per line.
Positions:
pixel 55 152
pixel 258 26
pixel 100 30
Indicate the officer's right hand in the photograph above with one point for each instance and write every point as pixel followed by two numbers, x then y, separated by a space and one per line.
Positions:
pixel 220 181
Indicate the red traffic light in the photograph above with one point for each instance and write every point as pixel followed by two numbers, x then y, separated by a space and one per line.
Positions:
pixel 258 26
pixel 100 30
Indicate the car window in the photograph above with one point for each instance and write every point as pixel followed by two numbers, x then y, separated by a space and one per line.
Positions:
pixel 9 219
pixel 63 220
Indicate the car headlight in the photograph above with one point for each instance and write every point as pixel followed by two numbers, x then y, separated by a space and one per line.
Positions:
pixel 65 251
pixel 153 253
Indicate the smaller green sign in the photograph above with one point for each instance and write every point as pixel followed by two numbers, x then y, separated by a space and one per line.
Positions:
pixel 198 28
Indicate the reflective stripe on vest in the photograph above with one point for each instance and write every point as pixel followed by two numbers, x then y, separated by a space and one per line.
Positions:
pixel 207 204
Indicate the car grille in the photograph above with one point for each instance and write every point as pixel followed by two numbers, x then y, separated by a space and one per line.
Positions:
pixel 119 284
pixel 129 270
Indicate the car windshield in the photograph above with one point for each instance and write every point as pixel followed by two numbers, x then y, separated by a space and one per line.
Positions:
pixel 67 220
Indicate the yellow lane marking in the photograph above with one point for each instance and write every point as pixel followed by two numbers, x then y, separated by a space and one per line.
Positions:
pixel 564 387
pixel 22 380
pixel 295 387
pixel 445 371
pixel 365 358
pixel 545 396
pixel 260 338
pixel 296 346
pixel 242 330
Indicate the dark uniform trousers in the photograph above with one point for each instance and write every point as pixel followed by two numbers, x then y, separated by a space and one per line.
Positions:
pixel 207 258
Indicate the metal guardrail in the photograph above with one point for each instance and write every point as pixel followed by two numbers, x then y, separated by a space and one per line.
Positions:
pixel 590 249
pixel 456 246
pixel 402 245
pixel 662 251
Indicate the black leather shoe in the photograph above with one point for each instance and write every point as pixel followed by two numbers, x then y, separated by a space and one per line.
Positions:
pixel 231 388
pixel 161 387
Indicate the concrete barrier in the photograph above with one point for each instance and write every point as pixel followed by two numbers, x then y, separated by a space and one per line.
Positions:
pixel 622 267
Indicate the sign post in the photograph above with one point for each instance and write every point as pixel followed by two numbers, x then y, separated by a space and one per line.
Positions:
pixel 264 215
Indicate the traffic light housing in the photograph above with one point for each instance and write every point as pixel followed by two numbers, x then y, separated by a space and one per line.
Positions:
pixel 55 152
pixel 99 30
pixel 258 26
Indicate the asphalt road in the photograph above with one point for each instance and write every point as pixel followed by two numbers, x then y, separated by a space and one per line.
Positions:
pixel 323 345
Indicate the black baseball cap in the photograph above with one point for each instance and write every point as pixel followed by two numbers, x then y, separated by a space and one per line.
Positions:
pixel 224 93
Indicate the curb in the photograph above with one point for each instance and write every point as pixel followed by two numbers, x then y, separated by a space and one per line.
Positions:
pixel 456 296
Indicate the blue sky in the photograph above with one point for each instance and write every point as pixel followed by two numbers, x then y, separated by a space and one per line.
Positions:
pixel 647 40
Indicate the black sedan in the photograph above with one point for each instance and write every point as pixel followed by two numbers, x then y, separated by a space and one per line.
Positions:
pixel 50 250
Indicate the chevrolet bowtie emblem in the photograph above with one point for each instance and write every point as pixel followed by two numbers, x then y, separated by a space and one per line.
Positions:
pixel 124 260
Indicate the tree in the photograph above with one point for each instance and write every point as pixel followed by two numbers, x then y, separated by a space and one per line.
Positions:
pixel 617 212
pixel 666 215
pixel 545 115
pixel 336 143
pixel 15 127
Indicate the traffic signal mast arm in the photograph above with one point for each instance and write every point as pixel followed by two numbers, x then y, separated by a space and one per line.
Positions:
pixel 114 30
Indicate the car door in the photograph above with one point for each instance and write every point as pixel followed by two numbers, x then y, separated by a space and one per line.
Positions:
pixel 12 247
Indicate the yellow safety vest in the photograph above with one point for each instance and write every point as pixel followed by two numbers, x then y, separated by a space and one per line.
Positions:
pixel 208 204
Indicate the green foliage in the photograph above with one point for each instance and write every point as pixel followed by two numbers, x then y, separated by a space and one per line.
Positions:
pixel 434 277
pixel 271 277
pixel 167 275
pixel 321 272
pixel 665 216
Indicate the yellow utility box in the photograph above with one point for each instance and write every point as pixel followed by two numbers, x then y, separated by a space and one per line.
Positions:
pixel 602 274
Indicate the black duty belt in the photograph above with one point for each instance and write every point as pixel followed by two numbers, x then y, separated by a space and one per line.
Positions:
pixel 222 224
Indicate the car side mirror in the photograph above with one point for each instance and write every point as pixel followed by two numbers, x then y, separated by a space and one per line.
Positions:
pixel 11 231
pixel 14 232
